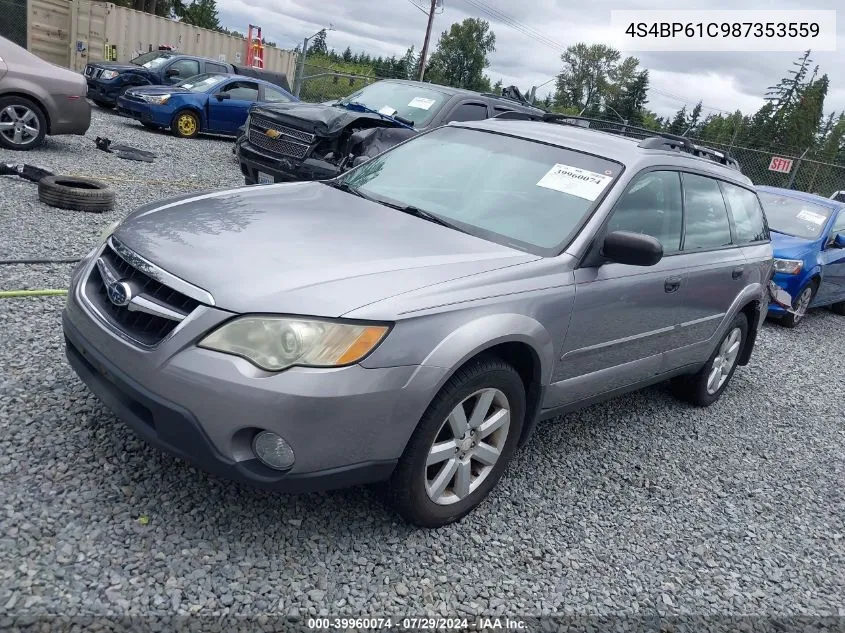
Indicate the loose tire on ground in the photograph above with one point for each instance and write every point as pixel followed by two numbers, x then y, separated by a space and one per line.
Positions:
pixel 697 389
pixel 408 489
pixel 79 194
pixel 186 124
pixel 22 123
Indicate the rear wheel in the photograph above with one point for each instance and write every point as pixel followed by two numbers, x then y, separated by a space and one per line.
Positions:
pixel 461 446
pixel 185 124
pixel 800 305
pixel 839 308
pixel 22 123
pixel 705 387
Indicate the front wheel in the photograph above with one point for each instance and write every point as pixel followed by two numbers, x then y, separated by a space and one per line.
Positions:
pixel 461 446
pixel 839 308
pixel 185 124
pixel 705 387
pixel 799 306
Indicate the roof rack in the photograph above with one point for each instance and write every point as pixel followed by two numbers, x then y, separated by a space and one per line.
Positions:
pixel 649 138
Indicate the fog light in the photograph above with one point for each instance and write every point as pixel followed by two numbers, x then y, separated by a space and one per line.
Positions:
pixel 272 450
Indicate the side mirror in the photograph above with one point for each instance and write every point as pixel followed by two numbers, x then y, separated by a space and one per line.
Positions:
pixel 634 249
pixel 223 95
pixel 172 72
pixel 838 240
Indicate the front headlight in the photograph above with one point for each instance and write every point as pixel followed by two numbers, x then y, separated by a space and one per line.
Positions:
pixel 276 343
pixel 788 266
pixel 157 99
pixel 109 74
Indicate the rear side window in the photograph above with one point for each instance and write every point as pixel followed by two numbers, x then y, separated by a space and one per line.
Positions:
pixel 749 223
pixel 706 217
pixel 469 112
pixel 211 67
pixel 242 90
pixel 271 94
pixel 652 205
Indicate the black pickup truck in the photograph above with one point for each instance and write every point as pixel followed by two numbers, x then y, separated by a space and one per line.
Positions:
pixel 108 80
pixel 316 141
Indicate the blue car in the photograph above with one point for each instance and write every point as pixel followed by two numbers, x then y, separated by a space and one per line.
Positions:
pixel 208 103
pixel 808 236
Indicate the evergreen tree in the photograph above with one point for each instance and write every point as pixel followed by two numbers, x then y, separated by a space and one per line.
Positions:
pixel 630 100
pixel 801 123
pixel 318 44
pixel 694 117
pixel 497 87
pixel 679 123
pixel 347 54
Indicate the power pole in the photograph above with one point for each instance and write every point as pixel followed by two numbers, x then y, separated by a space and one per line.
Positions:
pixel 427 38
pixel 301 70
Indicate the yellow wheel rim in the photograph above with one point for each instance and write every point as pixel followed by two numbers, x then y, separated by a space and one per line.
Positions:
pixel 187 125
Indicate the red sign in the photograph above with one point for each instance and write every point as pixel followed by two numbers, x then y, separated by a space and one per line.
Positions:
pixel 783 165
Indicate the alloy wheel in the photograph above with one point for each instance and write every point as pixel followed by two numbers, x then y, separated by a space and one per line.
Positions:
pixel 467 447
pixel 724 361
pixel 803 303
pixel 19 124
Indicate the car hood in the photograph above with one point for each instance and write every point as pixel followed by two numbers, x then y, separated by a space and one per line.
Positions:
pixel 303 248
pixel 317 118
pixel 791 247
pixel 118 66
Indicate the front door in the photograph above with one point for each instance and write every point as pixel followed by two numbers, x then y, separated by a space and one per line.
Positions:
pixel 832 288
pixel 624 316
pixel 229 105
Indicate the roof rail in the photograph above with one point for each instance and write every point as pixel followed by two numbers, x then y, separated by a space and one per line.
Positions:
pixel 650 140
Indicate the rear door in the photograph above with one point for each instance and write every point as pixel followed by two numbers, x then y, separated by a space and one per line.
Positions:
pixel 229 105
pixel 625 317
pixel 832 288
pixel 715 270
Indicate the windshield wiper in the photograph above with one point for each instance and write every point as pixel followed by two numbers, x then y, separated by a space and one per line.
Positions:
pixel 422 214
pixel 345 186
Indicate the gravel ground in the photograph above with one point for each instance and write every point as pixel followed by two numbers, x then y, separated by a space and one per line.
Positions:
pixel 641 505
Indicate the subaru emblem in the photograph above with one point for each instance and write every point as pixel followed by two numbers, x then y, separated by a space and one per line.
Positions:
pixel 119 293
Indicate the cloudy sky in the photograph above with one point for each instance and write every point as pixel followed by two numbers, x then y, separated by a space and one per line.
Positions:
pixel 530 54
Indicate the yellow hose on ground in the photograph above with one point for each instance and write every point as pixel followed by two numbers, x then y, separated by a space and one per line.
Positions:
pixel 46 292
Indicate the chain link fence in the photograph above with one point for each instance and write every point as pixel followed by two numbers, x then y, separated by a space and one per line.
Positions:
pixel 805 174
pixel 322 83
pixel 13 23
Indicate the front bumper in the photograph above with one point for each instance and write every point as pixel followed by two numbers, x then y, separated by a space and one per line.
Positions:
pixel 103 91
pixel 144 112
pixel 254 160
pixel 347 426
pixel 791 284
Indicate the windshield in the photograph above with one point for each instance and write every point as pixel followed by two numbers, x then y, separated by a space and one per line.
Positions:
pixel 793 216
pixel 511 191
pixel 151 60
pixel 201 83
pixel 414 103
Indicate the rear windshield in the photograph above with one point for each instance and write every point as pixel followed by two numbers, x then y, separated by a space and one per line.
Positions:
pixel 415 103
pixel 507 190
pixel 201 83
pixel 151 60
pixel 792 216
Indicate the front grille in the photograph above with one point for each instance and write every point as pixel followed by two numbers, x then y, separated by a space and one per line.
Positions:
pixel 261 123
pixel 146 329
pixel 281 145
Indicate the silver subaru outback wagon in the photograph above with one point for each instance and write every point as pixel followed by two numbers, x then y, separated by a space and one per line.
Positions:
pixel 411 321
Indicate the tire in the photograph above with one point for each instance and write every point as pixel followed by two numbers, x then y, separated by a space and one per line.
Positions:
pixel 22 123
pixel 409 488
pixel 791 319
pixel 79 194
pixel 694 389
pixel 185 124
pixel 839 308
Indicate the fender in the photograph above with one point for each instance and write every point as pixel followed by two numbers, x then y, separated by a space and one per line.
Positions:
pixel 753 293
pixel 485 332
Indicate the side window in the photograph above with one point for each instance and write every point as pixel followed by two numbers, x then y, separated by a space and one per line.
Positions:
pixel 838 224
pixel 242 90
pixel 652 205
pixel 706 216
pixel 271 94
pixel 749 225
pixel 468 112
pixel 211 67
pixel 186 67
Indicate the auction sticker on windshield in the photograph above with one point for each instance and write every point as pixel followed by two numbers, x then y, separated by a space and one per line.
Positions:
pixel 809 216
pixel 421 102
pixel 575 181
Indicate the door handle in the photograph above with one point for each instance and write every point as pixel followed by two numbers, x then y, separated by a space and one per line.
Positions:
pixel 737 272
pixel 671 284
